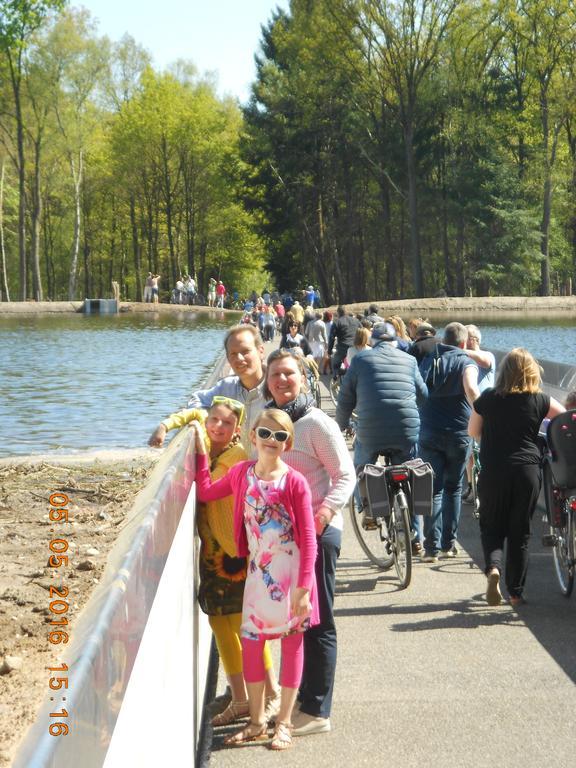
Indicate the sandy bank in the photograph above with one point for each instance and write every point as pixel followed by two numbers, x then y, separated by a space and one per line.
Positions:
pixel 511 306
pixel 463 306
pixel 60 307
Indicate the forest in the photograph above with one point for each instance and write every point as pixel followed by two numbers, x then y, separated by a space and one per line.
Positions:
pixel 389 149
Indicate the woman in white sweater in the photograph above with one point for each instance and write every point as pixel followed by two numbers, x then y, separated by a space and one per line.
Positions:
pixel 320 454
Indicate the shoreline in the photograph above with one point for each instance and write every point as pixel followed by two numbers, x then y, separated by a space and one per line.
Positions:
pixel 495 306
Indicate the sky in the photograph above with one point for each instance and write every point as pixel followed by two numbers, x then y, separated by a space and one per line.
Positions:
pixel 219 36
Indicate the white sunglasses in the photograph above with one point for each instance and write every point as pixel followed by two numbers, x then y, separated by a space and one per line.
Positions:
pixel 280 435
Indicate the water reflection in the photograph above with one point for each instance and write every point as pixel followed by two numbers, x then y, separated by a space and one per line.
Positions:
pixel 73 382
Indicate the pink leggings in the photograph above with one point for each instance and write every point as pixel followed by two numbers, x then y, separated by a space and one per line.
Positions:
pixel 291 664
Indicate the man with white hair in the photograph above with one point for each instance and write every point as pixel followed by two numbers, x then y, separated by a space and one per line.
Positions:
pixel 485 360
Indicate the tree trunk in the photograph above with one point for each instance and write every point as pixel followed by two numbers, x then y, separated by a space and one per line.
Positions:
pixel 136 249
pixel 36 221
pixel 169 212
pixel 15 76
pixel 77 181
pixel 4 292
pixel 415 255
pixel 546 197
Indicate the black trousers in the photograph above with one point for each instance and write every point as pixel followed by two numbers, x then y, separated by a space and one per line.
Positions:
pixel 507 502
pixel 317 686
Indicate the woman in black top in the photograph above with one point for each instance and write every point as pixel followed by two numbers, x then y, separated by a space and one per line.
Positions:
pixel 506 420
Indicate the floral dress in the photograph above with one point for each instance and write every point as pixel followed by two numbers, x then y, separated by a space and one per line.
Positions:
pixel 273 563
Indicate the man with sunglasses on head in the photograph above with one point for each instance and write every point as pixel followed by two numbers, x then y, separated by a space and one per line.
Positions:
pixel 244 351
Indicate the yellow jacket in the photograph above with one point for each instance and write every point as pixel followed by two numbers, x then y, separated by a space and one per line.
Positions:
pixel 219 514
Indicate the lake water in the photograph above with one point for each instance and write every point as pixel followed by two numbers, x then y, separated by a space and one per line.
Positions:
pixel 72 382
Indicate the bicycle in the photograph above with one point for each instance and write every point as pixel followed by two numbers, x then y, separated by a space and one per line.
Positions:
pixel 336 382
pixel 388 543
pixel 473 498
pixel 559 476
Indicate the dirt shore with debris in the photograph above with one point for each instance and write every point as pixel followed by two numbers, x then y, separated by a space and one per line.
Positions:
pixel 101 492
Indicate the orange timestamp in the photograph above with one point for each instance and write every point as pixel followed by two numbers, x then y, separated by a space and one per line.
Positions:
pixel 58 608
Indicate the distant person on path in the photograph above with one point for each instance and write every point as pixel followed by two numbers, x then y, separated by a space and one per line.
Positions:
pixel 298 312
pixel 190 288
pixel 211 292
pixel 274 528
pixel 221 294
pixel 506 420
pixel 148 288
pixel 244 351
pixel 361 341
pixel 342 337
pixel 155 283
pixel 315 334
pixel 451 377
pixel 486 372
pixel 295 338
pixel 425 341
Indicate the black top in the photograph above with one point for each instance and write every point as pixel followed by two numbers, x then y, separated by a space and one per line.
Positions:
pixel 510 428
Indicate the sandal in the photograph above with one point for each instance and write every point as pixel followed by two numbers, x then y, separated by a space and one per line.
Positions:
pixel 250 734
pixel 272 706
pixel 236 710
pixel 282 738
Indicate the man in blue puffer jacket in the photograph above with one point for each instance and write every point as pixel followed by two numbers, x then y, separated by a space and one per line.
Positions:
pixel 384 387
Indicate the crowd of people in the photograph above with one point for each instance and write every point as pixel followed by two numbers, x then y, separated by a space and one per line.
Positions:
pixel 274 473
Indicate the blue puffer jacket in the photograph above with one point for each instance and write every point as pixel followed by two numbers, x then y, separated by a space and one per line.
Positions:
pixel 383 385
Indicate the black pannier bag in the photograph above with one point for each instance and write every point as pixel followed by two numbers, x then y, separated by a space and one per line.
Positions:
pixel 422 484
pixel 373 491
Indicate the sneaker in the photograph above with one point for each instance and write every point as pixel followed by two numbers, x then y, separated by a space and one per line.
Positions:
pixel 306 725
pixel 429 558
pixel 449 553
pixel 493 594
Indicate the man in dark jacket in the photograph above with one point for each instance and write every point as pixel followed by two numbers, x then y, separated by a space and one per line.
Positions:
pixel 384 387
pixel 452 380
pixel 425 341
pixel 342 335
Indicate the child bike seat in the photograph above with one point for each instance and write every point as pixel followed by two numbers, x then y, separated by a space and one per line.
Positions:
pixel 561 436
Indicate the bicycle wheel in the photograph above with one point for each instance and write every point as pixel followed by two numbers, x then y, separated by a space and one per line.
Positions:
pixel 376 547
pixel 400 539
pixel 334 389
pixel 564 550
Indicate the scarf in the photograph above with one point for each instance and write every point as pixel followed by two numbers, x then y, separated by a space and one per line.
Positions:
pixel 295 408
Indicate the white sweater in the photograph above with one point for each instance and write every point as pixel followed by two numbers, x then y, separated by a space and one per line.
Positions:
pixel 321 455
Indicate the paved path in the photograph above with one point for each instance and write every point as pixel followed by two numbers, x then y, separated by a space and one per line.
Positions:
pixel 431 676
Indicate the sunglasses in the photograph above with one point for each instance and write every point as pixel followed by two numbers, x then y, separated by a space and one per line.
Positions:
pixel 280 435
pixel 234 405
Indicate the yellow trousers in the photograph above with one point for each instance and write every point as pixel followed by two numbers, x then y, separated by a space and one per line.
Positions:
pixel 227 635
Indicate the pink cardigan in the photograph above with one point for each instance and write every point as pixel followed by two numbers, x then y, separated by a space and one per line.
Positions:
pixel 296 499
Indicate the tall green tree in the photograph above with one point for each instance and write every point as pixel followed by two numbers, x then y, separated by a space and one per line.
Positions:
pixel 19 20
